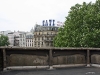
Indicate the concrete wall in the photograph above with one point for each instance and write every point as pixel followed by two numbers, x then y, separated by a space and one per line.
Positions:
pixel 27 60
pixel 95 59
pixel 36 60
pixel 69 59
pixel 42 57
pixel 48 57
pixel 1 61
pixel 23 57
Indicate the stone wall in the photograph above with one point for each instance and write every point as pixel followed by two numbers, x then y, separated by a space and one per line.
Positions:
pixel 47 57
pixel 95 59
pixel 26 60
pixel 36 60
pixel 1 61
pixel 69 59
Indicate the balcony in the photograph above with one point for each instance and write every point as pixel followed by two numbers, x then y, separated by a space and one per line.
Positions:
pixel 38 35
pixel 50 35
pixel 46 35
pixel 48 40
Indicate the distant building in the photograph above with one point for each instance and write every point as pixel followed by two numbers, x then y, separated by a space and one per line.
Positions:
pixel 11 38
pixel 5 32
pixel 32 30
pixel 14 38
pixel 44 35
pixel 29 40
pixel 22 41
pixel 26 39
pixel 19 38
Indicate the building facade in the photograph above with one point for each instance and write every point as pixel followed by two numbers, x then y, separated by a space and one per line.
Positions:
pixel 29 40
pixel 5 32
pixel 11 38
pixel 26 39
pixel 44 35
pixel 14 38
pixel 22 40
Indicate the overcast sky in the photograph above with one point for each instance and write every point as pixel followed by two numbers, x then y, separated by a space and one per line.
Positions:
pixel 22 15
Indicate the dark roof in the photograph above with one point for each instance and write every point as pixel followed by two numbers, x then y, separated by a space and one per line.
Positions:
pixel 46 28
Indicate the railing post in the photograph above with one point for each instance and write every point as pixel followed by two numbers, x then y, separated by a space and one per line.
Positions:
pixel 88 58
pixel 4 59
pixel 50 59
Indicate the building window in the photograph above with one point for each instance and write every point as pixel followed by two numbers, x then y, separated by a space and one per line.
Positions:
pixel 51 38
pixel 35 43
pixel 47 44
pixel 55 29
pixel 42 38
pixel 51 33
pixel 35 39
pixel 38 38
pixel 38 43
pixel 47 38
pixel 47 33
pixel 48 28
pixel 52 29
pixel 51 44
pixel 39 33
pixel 42 43
pixel 42 33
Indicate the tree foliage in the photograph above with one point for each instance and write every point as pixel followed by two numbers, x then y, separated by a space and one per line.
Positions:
pixel 81 28
pixel 4 40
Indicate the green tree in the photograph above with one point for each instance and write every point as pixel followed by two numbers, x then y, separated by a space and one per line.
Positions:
pixel 82 27
pixel 4 40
